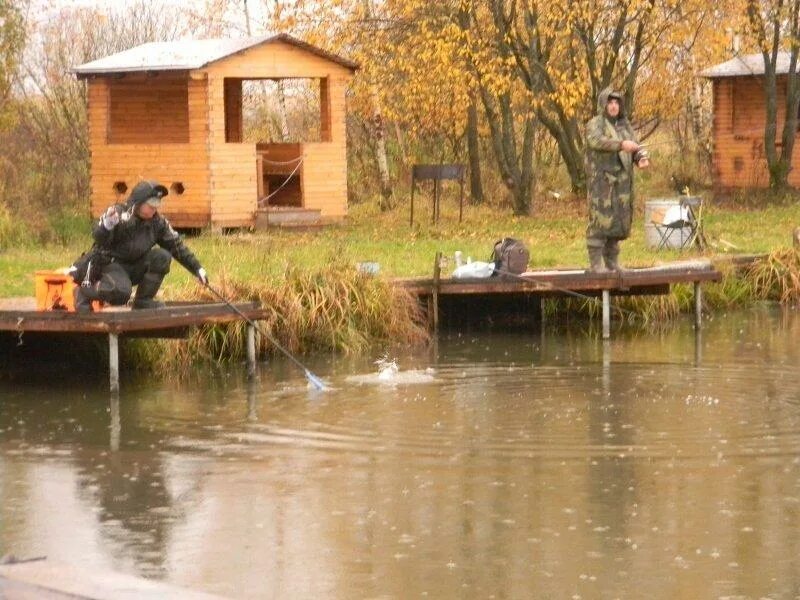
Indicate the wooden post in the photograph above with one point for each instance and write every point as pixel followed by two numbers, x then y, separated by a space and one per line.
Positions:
pixel 698 305
pixel 413 182
pixel 251 351
pixel 259 179
pixel 116 423
pixel 541 312
pixel 437 270
pixel 113 362
pixel 252 403
pixel 435 201
pixel 606 314
pixel 698 347
pixel 461 198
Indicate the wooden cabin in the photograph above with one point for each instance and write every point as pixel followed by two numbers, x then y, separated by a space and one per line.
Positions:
pixel 739 119
pixel 172 112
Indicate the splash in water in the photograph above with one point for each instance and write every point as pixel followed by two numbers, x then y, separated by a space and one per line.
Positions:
pixel 389 373
pixel 387 369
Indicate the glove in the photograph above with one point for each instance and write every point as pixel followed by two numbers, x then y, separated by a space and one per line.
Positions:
pixel 110 218
pixel 202 276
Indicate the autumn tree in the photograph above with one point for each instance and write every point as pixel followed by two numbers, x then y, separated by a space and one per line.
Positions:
pixel 12 40
pixel 775 26
pixel 565 53
pixel 46 154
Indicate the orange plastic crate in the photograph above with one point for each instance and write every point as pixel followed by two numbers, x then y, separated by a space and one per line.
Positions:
pixel 54 291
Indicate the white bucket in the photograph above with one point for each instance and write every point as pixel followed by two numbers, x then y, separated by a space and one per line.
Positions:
pixel 654 210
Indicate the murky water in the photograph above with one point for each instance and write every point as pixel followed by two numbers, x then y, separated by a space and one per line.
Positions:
pixel 490 467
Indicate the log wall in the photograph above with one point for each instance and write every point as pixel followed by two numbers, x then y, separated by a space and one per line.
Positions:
pixel 739 120
pixel 123 150
pixel 234 185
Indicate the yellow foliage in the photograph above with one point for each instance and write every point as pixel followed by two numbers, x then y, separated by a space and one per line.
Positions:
pixel 423 67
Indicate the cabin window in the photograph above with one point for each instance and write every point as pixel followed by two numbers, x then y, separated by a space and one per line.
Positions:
pixel 148 110
pixel 289 110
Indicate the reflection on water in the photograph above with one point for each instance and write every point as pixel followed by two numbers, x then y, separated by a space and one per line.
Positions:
pixel 493 466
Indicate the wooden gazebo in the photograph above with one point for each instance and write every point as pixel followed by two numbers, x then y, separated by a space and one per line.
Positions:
pixel 739 160
pixel 172 111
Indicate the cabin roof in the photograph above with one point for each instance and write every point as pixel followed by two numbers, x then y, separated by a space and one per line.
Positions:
pixel 186 55
pixel 749 64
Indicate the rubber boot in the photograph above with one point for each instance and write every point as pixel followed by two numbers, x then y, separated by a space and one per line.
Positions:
pixel 83 296
pixel 611 255
pixel 596 260
pixel 146 291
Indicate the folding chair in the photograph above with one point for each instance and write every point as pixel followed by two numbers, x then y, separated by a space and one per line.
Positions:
pixel 677 220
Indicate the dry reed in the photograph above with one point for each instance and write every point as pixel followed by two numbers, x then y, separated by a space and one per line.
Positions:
pixel 335 309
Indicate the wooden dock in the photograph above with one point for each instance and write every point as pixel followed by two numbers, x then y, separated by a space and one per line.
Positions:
pixel 19 316
pixel 568 283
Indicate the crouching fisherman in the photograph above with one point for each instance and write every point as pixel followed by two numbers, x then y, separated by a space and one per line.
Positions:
pixel 124 253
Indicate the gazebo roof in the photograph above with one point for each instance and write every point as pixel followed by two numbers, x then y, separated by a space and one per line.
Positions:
pixel 186 55
pixel 749 64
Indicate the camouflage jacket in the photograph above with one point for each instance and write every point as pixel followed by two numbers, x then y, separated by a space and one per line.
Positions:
pixel 609 173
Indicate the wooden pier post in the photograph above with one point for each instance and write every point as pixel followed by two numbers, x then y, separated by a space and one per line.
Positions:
pixel 698 347
pixel 116 423
pixel 541 313
pixel 606 314
pixel 251 351
pixel 698 305
pixel 113 362
pixel 433 306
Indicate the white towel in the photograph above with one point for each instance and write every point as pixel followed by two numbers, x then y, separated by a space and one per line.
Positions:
pixel 675 214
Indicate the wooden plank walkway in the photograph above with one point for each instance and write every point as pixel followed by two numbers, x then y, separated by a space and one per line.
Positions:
pixel 564 283
pixel 19 315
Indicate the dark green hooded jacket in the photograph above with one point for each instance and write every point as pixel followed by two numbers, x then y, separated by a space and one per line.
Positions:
pixel 609 172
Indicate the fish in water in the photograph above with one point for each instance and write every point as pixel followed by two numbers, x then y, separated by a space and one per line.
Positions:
pixel 389 374
pixel 387 369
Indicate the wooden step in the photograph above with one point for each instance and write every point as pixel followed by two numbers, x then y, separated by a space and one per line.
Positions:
pixel 287 216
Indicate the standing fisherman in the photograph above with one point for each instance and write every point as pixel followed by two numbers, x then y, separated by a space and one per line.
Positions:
pixel 612 150
pixel 124 255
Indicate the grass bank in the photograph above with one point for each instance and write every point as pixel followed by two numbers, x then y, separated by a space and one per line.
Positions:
pixel 554 233
pixel 317 299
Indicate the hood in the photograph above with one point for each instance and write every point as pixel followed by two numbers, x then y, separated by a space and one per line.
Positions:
pixel 147 191
pixel 602 100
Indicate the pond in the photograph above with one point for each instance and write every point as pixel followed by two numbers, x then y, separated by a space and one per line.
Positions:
pixel 495 466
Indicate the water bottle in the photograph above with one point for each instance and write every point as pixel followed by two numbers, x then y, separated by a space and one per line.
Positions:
pixel 459 260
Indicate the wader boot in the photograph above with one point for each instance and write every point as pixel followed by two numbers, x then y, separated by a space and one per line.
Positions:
pixel 83 295
pixel 611 255
pixel 596 260
pixel 146 291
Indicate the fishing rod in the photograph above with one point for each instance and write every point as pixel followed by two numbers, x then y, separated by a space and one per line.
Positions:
pixel 312 379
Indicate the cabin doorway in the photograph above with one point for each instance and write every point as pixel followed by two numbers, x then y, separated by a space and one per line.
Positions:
pixel 278 116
